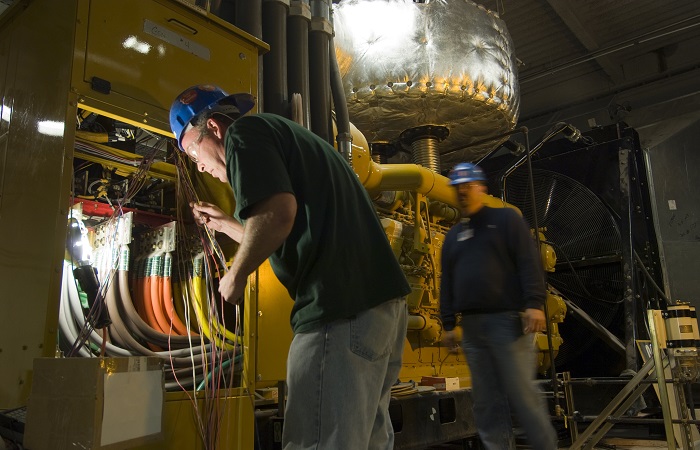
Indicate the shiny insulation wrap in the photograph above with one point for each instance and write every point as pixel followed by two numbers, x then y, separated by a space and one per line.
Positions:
pixel 445 62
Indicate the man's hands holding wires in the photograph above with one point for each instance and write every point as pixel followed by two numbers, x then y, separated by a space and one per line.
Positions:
pixel 210 215
pixel 231 285
pixel 217 220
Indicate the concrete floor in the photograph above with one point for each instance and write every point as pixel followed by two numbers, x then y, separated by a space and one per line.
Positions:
pixel 633 444
pixel 605 444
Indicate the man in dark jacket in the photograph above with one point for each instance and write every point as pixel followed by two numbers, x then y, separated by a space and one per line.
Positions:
pixel 491 275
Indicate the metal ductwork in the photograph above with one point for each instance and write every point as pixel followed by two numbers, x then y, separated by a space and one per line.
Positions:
pixel 424 144
pixel 298 24
pixel 447 63
pixel 274 27
pixel 320 100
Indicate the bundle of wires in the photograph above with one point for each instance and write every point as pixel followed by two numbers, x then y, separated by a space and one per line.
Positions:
pixel 208 261
pixel 176 316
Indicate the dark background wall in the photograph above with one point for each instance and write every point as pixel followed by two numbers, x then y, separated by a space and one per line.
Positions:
pixel 674 165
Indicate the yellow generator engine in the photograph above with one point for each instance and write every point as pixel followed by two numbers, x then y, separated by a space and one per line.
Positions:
pixel 417 207
pixel 91 140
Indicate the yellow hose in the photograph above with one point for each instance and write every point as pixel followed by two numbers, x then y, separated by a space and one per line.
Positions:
pixel 198 293
pixel 219 327
pixel 101 138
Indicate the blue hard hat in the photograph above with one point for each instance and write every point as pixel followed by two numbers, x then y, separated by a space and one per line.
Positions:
pixel 197 99
pixel 466 173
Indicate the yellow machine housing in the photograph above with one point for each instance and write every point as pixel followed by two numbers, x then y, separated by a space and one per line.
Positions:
pixel 124 60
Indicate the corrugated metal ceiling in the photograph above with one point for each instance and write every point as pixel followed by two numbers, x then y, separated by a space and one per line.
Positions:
pixel 591 59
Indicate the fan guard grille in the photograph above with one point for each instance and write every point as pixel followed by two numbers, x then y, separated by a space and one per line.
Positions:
pixel 584 231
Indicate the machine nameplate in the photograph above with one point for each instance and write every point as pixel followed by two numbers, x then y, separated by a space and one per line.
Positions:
pixel 175 39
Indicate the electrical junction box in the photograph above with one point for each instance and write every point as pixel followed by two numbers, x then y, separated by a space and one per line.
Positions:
pixel 441 383
pixel 95 403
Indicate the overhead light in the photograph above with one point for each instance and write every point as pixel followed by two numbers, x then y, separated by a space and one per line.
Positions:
pixel 372 28
pixel 50 128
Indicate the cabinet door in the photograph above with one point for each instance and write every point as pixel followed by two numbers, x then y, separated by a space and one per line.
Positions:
pixel 138 55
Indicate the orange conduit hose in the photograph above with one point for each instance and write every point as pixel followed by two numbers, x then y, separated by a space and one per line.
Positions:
pixel 140 327
pixel 137 287
pixel 120 324
pixel 157 294
pixel 180 327
pixel 146 296
pixel 184 307
pixel 133 344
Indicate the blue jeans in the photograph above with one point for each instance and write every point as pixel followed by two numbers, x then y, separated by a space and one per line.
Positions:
pixel 339 380
pixel 502 364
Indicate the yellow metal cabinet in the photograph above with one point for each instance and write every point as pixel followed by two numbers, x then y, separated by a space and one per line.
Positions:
pixel 126 60
pixel 133 57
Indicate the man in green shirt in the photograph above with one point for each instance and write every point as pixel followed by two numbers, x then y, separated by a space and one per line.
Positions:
pixel 299 204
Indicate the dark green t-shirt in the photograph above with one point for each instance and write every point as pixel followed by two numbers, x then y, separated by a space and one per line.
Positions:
pixel 336 262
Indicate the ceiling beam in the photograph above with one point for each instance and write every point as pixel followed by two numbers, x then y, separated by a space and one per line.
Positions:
pixel 570 19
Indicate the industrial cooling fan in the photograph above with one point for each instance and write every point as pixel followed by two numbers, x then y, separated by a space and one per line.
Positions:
pixel 586 239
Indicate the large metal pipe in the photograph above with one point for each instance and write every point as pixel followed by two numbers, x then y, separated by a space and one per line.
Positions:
pixel 416 322
pixel 226 9
pixel 274 27
pixel 342 118
pixel 430 328
pixel 249 17
pixel 340 106
pixel 424 142
pixel 298 54
pixel 408 177
pixel 319 68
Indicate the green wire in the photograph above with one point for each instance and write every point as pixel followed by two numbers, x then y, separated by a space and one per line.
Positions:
pixel 224 365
